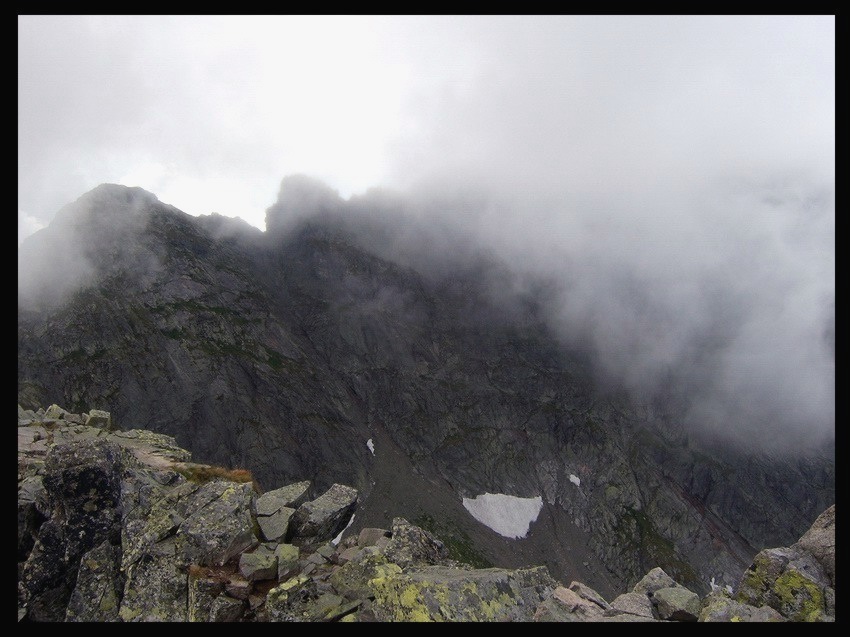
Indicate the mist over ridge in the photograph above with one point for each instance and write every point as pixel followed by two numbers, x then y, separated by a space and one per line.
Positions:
pixel 724 304
pixel 724 309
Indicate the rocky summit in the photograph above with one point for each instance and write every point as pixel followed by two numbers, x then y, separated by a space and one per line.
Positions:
pixel 118 525
pixel 340 347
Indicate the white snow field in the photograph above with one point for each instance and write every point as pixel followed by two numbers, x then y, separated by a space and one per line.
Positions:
pixel 507 515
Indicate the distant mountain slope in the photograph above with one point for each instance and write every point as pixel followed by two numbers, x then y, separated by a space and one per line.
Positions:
pixel 286 351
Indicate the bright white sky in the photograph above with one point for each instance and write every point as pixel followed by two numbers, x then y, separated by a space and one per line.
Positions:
pixel 211 112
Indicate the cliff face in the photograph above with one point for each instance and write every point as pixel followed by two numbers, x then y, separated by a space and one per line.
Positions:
pixel 308 352
pixel 122 526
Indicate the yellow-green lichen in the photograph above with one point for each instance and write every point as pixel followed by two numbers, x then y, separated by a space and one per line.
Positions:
pixel 128 614
pixel 801 599
pixel 412 608
pixel 108 602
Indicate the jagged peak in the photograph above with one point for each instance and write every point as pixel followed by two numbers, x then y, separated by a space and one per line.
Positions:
pixel 112 200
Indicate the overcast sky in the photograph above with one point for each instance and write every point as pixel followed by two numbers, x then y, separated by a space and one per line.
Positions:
pixel 679 171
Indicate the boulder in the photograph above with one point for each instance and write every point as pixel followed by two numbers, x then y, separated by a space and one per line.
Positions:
pixel 320 520
pixel 788 580
pixel 576 605
pixel 274 527
pixel 290 496
pixel 259 565
pixel 410 544
pixel 226 609
pixel 156 589
pixel 653 581
pixel 54 412
pixel 100 419
pixel 588 593
pixel 633 604
pixel 220 530
pixel 676 603
pixel 819 540
pixel 287 561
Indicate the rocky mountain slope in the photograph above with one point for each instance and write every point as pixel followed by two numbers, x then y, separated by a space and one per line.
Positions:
pixel 123 526
pixel 318 351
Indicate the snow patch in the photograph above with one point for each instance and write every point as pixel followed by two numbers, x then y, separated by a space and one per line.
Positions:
pixel 507 515
pixel 575 480
pixel 336 540
pixel 371 446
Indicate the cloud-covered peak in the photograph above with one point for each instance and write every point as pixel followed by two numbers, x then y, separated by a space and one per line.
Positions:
pixel 107 201
pixel 300 197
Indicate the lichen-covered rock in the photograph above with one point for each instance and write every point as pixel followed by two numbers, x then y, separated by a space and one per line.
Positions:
pixel 226 609
pixel 259 565
pixel 203 591
pixel 410 544
pixel 287 561
pixel 633 604
pixel 291 496
pixel 654 580
pixel 676 603
pixel 566 605
pixel 441 593
pixel 99 418
pixel 152 449
pixel 285 602
pixel 157 588
pixel 719 607
pixel 82 482
pixel 221 530
pixel 168 527
pixel 320 520
pixel 99 585
pixel 54 412
pixel 584 591
pixel 274 527
pixel 356 578
pixel 789 581
pixel 819 540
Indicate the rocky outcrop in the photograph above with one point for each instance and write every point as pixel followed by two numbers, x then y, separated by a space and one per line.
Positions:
pixel 799 581
pixel 122 526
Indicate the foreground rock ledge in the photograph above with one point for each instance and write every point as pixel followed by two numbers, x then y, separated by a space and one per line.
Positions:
pixel 122 526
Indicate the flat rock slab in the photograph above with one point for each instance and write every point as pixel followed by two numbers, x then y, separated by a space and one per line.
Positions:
pixel 291 496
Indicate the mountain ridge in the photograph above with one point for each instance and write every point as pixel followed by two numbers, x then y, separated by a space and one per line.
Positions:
pixel 278 351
